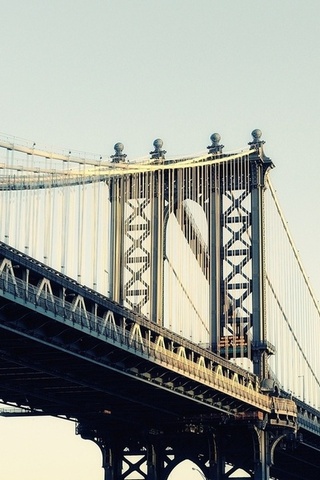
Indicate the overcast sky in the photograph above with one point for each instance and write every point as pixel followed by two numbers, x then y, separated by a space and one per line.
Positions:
pixel 85 74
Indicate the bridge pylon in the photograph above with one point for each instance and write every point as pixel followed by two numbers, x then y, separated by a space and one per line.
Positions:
pixel 228 191
pixel 238 316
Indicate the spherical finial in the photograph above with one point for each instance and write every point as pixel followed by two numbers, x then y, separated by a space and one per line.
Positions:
pixel 158 143
pixel 158 153
pixel 215 146
pixel 215 138
pixel 256 134
pixel 118 148
pixel 118 156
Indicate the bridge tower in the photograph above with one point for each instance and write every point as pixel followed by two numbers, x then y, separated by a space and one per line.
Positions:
pixel 237 259
pixel 230 193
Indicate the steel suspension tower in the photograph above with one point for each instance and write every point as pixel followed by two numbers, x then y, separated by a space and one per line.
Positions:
pixel 231 189
pixel 233 263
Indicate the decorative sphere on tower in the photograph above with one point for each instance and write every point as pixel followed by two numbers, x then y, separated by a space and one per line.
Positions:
pixel 215 146
pixel 215 138
pixel 256 138
pixel 158 144
pixel 119 156
pixel 256 134
pixel 118 148
pixel 158 153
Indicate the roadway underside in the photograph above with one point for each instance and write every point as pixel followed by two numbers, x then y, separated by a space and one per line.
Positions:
pixel 52 368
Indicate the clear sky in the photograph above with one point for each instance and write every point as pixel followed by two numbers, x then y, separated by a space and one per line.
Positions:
pixel 85 74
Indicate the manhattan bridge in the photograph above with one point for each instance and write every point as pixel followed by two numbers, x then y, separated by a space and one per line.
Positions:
pixel 161 305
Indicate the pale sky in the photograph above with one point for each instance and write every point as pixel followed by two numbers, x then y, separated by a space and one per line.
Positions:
pixel 85 74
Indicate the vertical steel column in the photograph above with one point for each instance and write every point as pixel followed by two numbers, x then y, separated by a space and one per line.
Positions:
pixel 217 466
pixel 262 454
pixel 262 470
pixel 116 238
pixel 214 222
pixel 266 443
pixel 154 467
pixel 111 450
pixel 157 235
pixel 111 462
pixel 116 196
pixel 157 247
pixel 215 261
pixel 259 165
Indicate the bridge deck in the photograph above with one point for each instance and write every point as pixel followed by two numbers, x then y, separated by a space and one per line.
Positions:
pixel 92 358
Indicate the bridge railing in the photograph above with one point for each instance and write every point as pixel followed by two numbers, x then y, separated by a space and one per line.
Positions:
pixel 144 342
